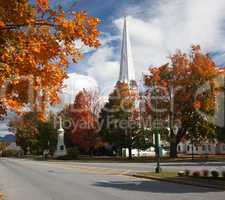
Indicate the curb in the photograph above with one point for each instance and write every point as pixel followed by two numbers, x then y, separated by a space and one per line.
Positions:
pixel 179 182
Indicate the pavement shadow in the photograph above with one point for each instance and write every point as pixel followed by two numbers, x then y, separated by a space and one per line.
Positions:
pixel 154 187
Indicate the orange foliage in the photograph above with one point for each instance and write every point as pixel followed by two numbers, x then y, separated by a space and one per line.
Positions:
pixel 35 44
pixel 190 83
pixel 196 104
pixel 85 122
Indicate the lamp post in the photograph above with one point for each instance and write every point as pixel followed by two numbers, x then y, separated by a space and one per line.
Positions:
pixel 192 148
pixel 157 135
pixel 157 150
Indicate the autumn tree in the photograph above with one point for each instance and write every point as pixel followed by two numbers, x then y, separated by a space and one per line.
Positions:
pixel 120 119
pixel 185 95
pixel 83 116
pixel 220 114
pixel 33 133
pixel 36 44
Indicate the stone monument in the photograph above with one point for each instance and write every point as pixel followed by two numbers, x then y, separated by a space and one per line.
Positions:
pixel 61 149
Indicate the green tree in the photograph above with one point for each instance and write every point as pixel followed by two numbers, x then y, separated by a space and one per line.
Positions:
pixel 47 135
pixel 120 119
pixel 33 133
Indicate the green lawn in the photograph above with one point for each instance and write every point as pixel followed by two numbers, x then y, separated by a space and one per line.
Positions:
pixel 173 177
pixel 161 174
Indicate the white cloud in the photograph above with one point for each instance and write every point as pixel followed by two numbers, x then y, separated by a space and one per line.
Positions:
pixel 75 83
pixel 103 68
pixel 103 64
pixel 176 24
pixel 167 26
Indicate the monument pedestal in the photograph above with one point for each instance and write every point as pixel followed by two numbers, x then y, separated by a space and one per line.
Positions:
pixel 61 148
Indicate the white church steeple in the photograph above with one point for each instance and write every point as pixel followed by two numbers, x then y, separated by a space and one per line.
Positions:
pixel 127 73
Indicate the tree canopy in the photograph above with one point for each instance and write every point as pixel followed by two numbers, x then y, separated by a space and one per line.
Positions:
pixel 120 119
pixel 83 129
pixel 186 94
pixel 36 44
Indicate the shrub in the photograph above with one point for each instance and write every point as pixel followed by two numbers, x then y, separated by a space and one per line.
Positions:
pixel 205 173
pixel 215 173
pixel 181 173
pixel 9 153
pixel 196 174
pixel 223 174
pixel 187 172
pixel 73 153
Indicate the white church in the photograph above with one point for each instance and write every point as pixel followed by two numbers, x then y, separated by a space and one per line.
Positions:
pixel 127 75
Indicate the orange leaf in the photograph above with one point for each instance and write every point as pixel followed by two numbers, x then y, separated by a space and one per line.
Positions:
pixel 2 24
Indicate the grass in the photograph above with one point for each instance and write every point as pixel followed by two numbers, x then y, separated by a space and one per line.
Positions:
pixel 161 174
pixel 108 159
pixel 210 182
pixel 181 158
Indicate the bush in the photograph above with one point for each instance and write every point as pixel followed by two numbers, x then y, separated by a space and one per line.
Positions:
pixel 223 174
pixel 73 153
pixel 205 173
pixel 187 172
pixel 181 173
pixel 10 153
pixel 215 174
pixel 196 174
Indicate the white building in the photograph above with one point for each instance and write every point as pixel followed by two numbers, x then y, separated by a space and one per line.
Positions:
pixel 143 153
pixel 208 148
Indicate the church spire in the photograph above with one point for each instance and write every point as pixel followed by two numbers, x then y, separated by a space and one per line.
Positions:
pixel 127 73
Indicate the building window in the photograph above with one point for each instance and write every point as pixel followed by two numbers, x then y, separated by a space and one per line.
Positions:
pixel 196 148
pixel 203 147
pixel 209 147
pixel 224 147
pixel 188 148
pixel 179 149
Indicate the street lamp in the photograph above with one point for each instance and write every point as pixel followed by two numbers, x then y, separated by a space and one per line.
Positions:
pixel 157 149
pixel 157 135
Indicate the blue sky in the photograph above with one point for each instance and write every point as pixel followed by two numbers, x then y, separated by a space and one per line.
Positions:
pixel 157 29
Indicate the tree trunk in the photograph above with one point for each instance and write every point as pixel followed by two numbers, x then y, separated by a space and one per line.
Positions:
pixel 90 152
pixel 130 152
pixel 173 150
pixel 175 140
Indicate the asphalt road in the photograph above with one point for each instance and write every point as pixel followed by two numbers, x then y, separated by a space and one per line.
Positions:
pixel 38 180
